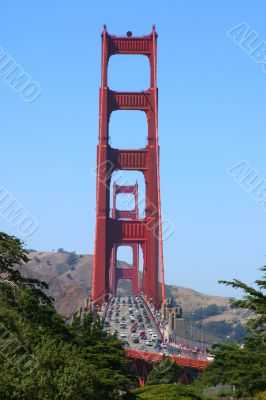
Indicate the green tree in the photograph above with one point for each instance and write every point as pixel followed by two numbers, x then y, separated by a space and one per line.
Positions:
pixel 253 300
pixel 72 258
pixel 165 371
pixel 42 357
pixel 12 256
pixel 165 392
pixel 243 366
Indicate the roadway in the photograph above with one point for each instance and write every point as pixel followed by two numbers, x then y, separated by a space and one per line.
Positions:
pixel 131 319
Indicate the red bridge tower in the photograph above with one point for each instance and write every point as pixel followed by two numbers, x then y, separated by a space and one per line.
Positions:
pixel 128 229
pixel 125 273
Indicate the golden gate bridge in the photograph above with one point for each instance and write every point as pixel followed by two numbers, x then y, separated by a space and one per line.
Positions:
pixel 125 227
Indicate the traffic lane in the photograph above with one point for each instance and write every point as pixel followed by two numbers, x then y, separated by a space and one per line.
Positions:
pixel 155 327
pixel 118 311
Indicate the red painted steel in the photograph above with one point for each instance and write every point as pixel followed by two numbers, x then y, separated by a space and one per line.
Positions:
pixel 154 357
pixel 145 232
pixel 117 273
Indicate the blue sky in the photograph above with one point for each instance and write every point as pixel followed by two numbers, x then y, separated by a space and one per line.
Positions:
pixel 211 116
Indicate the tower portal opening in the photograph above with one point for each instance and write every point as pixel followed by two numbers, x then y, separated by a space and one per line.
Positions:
pixel 129 73
pixel 128 129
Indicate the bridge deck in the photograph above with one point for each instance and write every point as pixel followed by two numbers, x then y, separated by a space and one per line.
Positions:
pixel 123 316
pixel 153 357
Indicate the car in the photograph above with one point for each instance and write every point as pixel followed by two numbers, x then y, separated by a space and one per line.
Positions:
pixel 135 340
pixel 148 342
pixel 134 335
pixel 123 335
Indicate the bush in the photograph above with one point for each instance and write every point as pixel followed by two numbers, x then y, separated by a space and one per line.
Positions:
pixel 165 392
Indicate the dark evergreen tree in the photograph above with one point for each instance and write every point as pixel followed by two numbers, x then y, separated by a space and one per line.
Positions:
pixel 42 357
pixel 164 371
pixel 244 367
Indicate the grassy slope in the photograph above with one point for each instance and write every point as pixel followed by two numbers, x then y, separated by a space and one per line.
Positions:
pixel 69 277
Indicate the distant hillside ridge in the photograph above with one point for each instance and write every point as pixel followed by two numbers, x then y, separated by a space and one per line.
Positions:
pixel 69 276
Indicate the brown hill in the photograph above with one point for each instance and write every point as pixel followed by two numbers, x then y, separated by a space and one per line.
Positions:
pixel 70 276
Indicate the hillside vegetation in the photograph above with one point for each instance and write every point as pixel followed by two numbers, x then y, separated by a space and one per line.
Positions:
pixel 69 276
pixel 44 358
pixel 41 356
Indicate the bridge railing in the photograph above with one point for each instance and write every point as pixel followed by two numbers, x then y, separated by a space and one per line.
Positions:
pixel 155 357
pixel 153 318
pixel 106 306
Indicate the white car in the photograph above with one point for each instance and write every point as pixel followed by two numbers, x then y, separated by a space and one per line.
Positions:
pixel 149 342
pixel 123 336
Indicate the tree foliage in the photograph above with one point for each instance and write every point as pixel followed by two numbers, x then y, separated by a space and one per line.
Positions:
pixel 165 392
pixel 253 300
pixel 244 367
pixel 13 255
pixel 165 371
pixel 42 357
